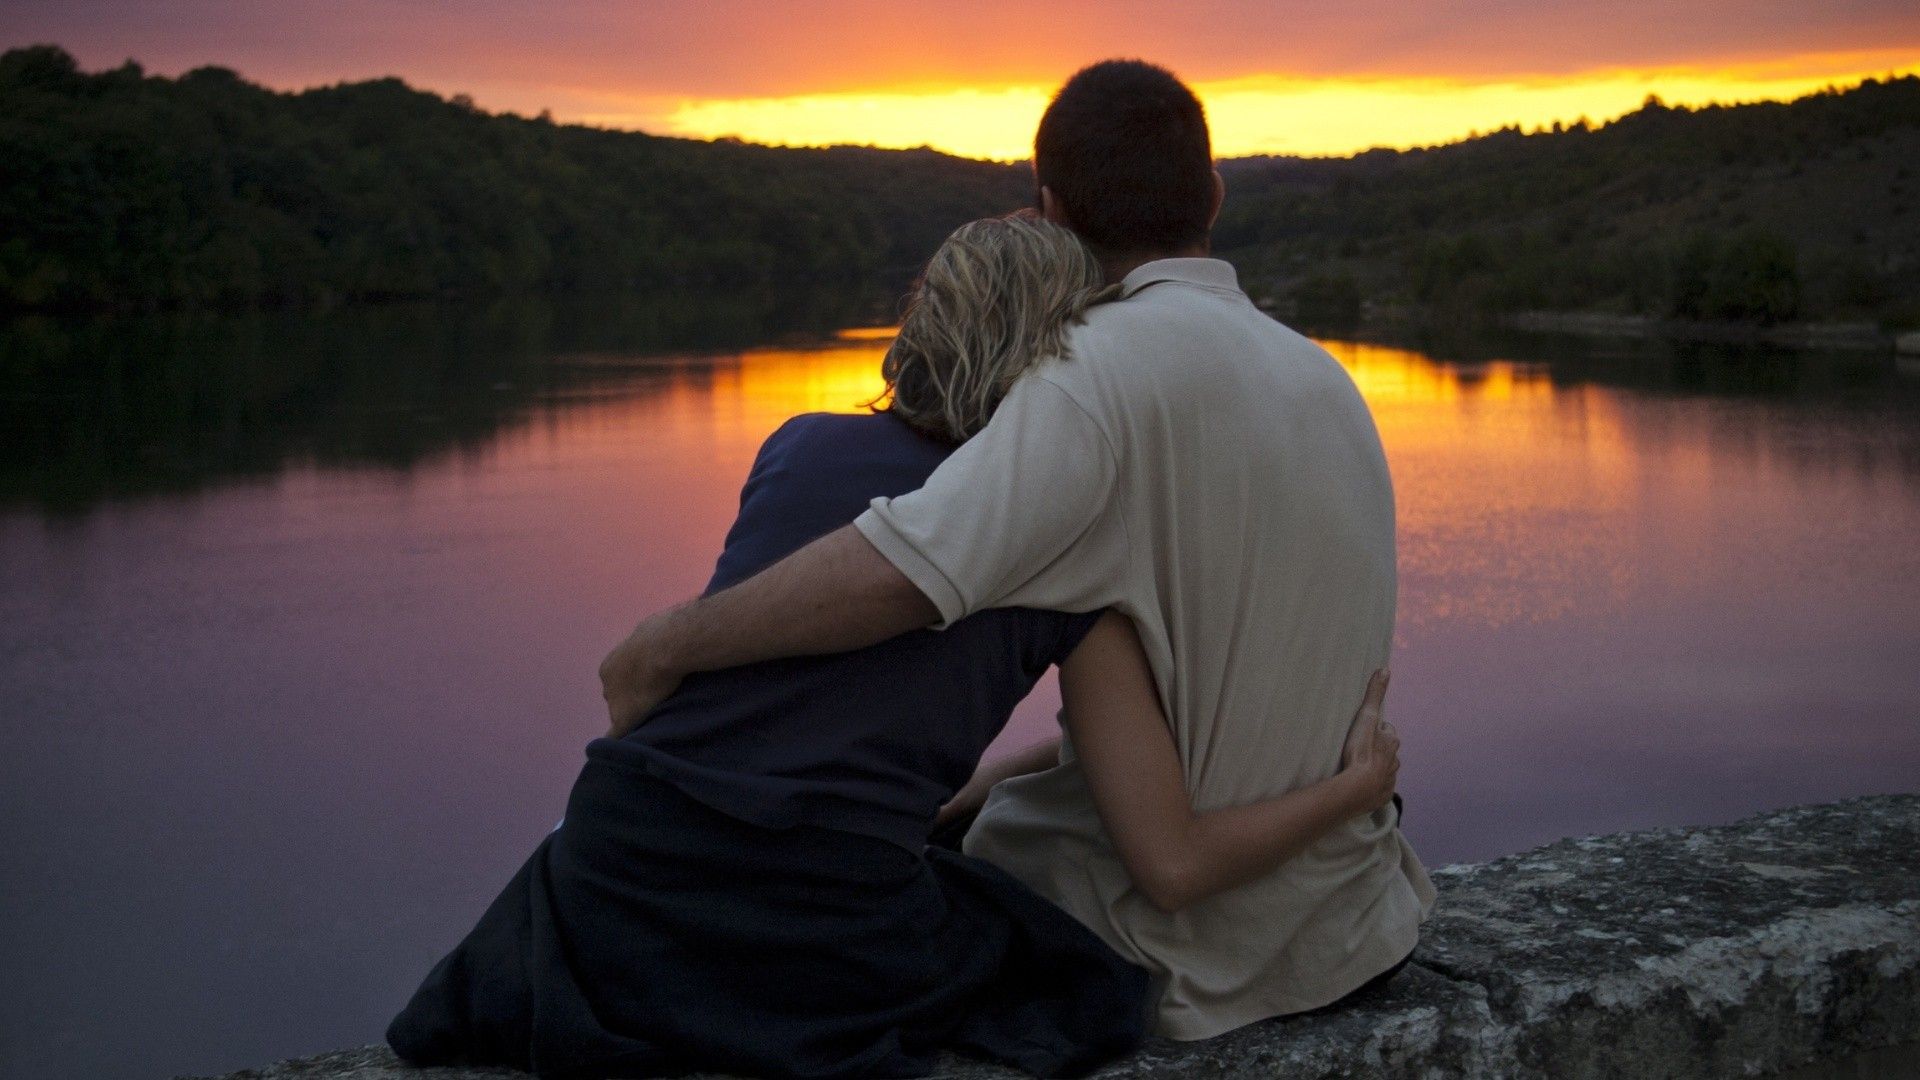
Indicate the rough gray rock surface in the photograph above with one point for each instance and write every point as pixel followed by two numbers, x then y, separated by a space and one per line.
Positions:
pixel 1745 949
pixel 1742 950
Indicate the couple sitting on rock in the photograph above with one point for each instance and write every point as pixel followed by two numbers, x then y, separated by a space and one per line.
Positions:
pixel 786 858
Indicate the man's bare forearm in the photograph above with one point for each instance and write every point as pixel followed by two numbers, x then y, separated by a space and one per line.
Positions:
pixel 835 594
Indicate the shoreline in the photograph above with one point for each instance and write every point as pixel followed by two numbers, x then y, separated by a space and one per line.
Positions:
pixel 1852 336
pixel 1841 336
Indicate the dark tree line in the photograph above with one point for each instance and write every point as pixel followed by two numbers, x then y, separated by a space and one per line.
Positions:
pixel 120 189
pixel 1763 213
pixel 123 190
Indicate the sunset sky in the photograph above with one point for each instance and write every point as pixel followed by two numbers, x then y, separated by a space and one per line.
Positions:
pixel 1303 78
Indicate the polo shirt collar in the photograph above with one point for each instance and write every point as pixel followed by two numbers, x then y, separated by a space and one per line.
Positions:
pixel 1207 273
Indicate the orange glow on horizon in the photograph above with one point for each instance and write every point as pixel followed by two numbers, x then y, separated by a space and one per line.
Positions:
pixel 1264 114
pixel 972 79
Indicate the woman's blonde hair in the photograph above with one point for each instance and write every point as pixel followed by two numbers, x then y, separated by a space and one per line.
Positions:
pixel 996 299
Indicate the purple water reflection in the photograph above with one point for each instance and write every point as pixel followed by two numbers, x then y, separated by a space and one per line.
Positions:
pixel 274 743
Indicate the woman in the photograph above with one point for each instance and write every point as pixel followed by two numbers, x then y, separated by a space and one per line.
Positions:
pixel 742 883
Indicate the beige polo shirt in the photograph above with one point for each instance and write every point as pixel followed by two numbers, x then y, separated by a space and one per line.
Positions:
pixel 1218 478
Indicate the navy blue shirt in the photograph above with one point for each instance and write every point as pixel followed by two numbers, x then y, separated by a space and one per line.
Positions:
pixel 871 741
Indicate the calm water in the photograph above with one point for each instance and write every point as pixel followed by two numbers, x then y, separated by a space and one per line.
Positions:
pixel 299 620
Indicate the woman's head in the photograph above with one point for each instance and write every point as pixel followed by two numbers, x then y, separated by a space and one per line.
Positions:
pixel 996 298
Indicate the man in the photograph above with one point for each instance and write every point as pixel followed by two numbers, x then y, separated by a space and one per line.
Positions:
pixel 1196 466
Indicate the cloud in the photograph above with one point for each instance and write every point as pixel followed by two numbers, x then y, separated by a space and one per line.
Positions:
pixel 761 48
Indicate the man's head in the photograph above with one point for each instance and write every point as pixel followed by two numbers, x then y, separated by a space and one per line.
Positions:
pixel 1122 156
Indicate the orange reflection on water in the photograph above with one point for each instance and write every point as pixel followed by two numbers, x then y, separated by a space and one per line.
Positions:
pixel 868 333
pixel 1505 486
pixel 1506 483
pixel 728 404
pixel 1569 547
pixel 838 378
pixel 1520 500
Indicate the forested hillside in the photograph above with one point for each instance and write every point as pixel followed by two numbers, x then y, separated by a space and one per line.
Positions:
pixel 123 190
pixel 1767 212
pixel 119 189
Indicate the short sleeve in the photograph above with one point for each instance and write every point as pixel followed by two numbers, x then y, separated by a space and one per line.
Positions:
pixel 747 549
pixel 1024 514
pixel 1071 629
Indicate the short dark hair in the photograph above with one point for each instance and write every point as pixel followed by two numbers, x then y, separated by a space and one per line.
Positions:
pixel 1124 148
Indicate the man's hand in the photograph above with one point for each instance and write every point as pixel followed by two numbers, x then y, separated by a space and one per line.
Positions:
pixel 633 681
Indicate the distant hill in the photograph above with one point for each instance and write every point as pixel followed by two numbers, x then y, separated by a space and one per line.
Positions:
pixel 120 189
pixel 1764 213
pixel 123 190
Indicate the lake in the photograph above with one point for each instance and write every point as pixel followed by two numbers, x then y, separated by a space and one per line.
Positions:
pixel 300 617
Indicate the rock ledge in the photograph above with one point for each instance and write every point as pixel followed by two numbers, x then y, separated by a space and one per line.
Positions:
pixel 1788 938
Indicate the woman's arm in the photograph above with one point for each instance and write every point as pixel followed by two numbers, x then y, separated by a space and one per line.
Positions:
pixel 1175 856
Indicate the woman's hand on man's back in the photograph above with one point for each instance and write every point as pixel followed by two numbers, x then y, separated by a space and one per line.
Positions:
pixel 1372 750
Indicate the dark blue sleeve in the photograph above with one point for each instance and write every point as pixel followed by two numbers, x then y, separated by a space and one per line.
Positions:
pixel 814 474
pixel 751 543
